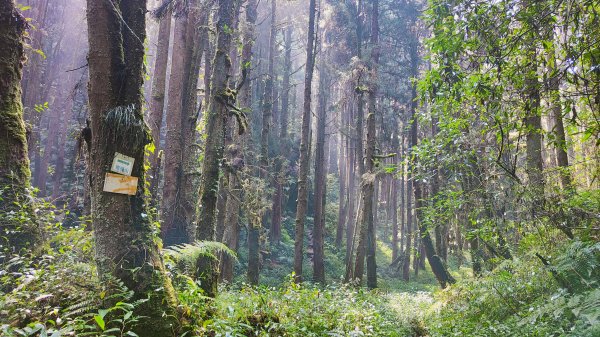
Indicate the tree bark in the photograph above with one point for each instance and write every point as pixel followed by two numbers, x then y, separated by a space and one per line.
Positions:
pixel 352 198
pixel 125 247
pixel 393 199
pixel 173 151
pixel 559 131
pixel 343 198
pixel 320 176
pixel 157 102
pixel 532 121
pixel 221 99
pixel 367 238
pixel 245 99
pixel 14 163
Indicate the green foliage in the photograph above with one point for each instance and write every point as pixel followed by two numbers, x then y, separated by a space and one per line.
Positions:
pixel 526 298
pixel 37 300
pixel 185 256
pixel 303 310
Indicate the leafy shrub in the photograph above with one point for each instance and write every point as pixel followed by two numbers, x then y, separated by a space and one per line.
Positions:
pixel 526 298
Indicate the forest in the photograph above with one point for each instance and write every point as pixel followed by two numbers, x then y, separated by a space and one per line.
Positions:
pixel 300 168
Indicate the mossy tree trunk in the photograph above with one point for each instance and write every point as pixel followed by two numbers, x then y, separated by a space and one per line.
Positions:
pixel 245 102
pixel 126 247
pixel 18 230
pixel 221 98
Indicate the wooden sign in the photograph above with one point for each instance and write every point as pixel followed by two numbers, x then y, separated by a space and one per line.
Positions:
pixel 117 183
pixel 122 164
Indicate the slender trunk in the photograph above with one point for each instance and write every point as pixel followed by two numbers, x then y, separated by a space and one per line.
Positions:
pixel 351 197
pixel 268 113
pixel 409 223
pixel 304 145
pixel 197 39
pixel 402 182
pixel 125 248
pixel 367 239
pixel 285 85
pixel 358 144
pixel 157 102
pixel 533 119
pixel 283 135
pixel 320 174
pixel 343 198
pixel 393 199
pixel 559 132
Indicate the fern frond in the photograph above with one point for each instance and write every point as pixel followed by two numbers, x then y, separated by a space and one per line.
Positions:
pixel 190 252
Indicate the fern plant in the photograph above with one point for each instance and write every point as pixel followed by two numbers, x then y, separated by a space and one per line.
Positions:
pixel 184 256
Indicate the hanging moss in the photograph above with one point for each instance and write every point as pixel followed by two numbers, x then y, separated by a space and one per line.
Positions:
pixel 124 126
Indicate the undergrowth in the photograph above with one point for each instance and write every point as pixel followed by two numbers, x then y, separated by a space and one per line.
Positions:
pixel 526 297
pixel 304 310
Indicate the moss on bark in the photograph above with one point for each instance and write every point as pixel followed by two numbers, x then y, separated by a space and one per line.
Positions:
pixel 18 229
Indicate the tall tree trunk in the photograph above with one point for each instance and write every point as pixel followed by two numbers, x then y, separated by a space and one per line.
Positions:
pixel 281 173
pixel 15 176
pixel 285 85
pixel 178 206
pixel 157 102
pixel 125 248
pixel 359 153
pixel 559 131
pixel 268 110
pixel 245 100
pixel 173 151
pixel 304 145
pixel 367 239
pixel 221 98
pixel 351 196
pixel 320 176
pixel 197 39
pixel 533 118
pixel 403 206
pixel 441 229
pixel 409 221
pixel 393 199
pixel 343 198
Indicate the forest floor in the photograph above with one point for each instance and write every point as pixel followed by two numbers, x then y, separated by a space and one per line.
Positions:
pixel 520 297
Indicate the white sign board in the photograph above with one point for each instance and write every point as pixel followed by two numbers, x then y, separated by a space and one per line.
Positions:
pixel 117 183
pixel 122 164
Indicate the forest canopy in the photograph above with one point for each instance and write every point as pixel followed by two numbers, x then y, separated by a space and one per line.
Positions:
pixel 299 168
